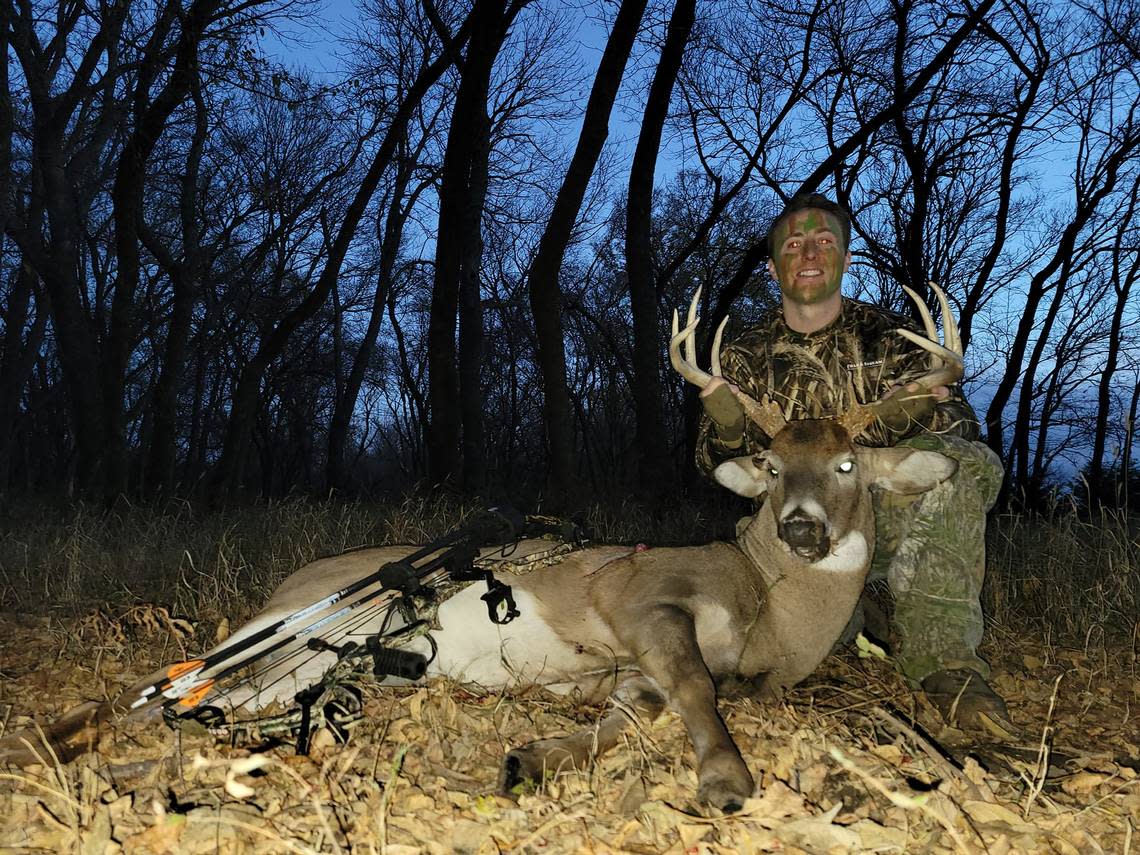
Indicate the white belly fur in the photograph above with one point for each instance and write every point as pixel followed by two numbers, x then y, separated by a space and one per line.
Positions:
pixel 525 651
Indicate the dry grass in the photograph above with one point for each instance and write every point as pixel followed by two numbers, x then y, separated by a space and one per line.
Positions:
pixel 1066 577
pixel 205 565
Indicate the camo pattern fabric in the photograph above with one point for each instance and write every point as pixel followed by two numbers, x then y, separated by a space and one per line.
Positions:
pixel 932 552
pixel 813 376
pixel 930 549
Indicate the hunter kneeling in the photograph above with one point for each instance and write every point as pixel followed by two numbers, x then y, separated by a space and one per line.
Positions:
pixel 823 353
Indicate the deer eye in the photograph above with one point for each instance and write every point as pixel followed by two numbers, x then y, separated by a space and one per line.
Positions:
pixel 773 471
pixel 847 466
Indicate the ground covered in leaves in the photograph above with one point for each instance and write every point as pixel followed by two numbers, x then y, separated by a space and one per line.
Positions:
pixel 850 762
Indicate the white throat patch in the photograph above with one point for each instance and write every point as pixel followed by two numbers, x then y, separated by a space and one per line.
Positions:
pixel 849 555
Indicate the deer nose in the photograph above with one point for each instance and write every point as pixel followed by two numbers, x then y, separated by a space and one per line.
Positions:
pixel 800 531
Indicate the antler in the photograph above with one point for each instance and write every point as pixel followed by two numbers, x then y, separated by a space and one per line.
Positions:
pixel 948 364
pixel 765 413
pixel 947 360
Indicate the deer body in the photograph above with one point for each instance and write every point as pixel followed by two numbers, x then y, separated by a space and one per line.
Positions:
pixel 666 626
pixel 661 627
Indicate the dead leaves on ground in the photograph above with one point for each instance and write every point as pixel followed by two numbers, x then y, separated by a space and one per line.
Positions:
pixel 844 766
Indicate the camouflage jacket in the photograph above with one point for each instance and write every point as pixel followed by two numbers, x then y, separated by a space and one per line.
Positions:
pixel 807 375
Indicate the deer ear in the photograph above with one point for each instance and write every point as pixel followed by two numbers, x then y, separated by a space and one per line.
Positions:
pixel 742 476
pixel 906 470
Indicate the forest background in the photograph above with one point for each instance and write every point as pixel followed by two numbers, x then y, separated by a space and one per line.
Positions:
pixel 223 278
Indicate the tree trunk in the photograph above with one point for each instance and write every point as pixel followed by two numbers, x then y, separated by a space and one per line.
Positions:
pixel 127 199
pixel 17 359
pixel 1088 201
pixel 69 128
pixel 471 315
pixel 1122 282
pixel 1019 447
pixel 460 204
pixel 650 445
pixel 1027 97
pixel 1126 457
pixel 185 276
pixel 913 152
pixel 545 293
pixel 397 214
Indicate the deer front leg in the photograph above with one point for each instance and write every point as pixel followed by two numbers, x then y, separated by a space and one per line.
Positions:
pixel 668 654
pixel 531 762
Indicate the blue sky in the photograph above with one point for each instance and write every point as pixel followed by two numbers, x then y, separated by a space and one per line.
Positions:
pixel 314 44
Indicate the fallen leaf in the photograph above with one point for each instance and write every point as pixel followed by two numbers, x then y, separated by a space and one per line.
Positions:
pixel 1083 783
pixel 876 837
pixel 818 833
pixel 162 837
pixel 868 649
pixel 692 834
pixel 988 812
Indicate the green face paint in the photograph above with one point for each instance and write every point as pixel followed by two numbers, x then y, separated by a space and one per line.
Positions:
pixel 810 258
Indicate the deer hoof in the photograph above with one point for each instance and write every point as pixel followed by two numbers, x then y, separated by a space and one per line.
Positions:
pixel 529 764
pixel 725 783
pixel 517 771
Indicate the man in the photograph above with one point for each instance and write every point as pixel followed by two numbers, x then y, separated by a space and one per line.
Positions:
pixel 809 357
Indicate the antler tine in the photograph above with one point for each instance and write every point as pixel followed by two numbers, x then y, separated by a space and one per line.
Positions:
pixel 682 356
pixel 857 417
pixel 715 357
pixel 948 357
pixel 947 360
pixel 950 333
pixel 684 338
pixel 923 312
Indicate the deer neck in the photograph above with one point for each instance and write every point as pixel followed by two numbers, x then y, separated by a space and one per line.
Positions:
pixel 808 603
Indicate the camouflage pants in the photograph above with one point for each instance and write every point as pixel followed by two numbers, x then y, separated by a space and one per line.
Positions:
pixel 932 552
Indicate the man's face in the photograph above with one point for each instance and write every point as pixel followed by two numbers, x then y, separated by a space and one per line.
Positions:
pixel 809 258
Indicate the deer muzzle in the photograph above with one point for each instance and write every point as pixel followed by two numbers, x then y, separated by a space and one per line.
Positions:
pixel 807 536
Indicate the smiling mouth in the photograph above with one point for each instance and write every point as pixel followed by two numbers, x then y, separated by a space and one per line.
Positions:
pixel 810 272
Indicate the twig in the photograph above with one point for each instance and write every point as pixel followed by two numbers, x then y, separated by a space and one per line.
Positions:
pixel 931 751
pixel 389 790
pixel 907 802
pixel 315 798
pixel 1037 784
pixel 252 829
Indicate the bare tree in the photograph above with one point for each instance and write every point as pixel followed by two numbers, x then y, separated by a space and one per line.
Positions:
pixel 245 397
pixel 1102 105
pixel 454 394
pixel 1124 266
pixel 650 445
pixel 545 294
pixel 72 117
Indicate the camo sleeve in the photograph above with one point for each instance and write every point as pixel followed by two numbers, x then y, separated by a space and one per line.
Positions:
pixel 952 417
pixel 739 367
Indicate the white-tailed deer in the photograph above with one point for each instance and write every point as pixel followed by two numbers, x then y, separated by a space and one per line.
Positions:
pixel 667 626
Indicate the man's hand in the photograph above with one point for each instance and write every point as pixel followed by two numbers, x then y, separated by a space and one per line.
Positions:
pixel 903 405
pixel 727 414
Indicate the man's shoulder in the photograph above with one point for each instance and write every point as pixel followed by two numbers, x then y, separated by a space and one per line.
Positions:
pixel 870 318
